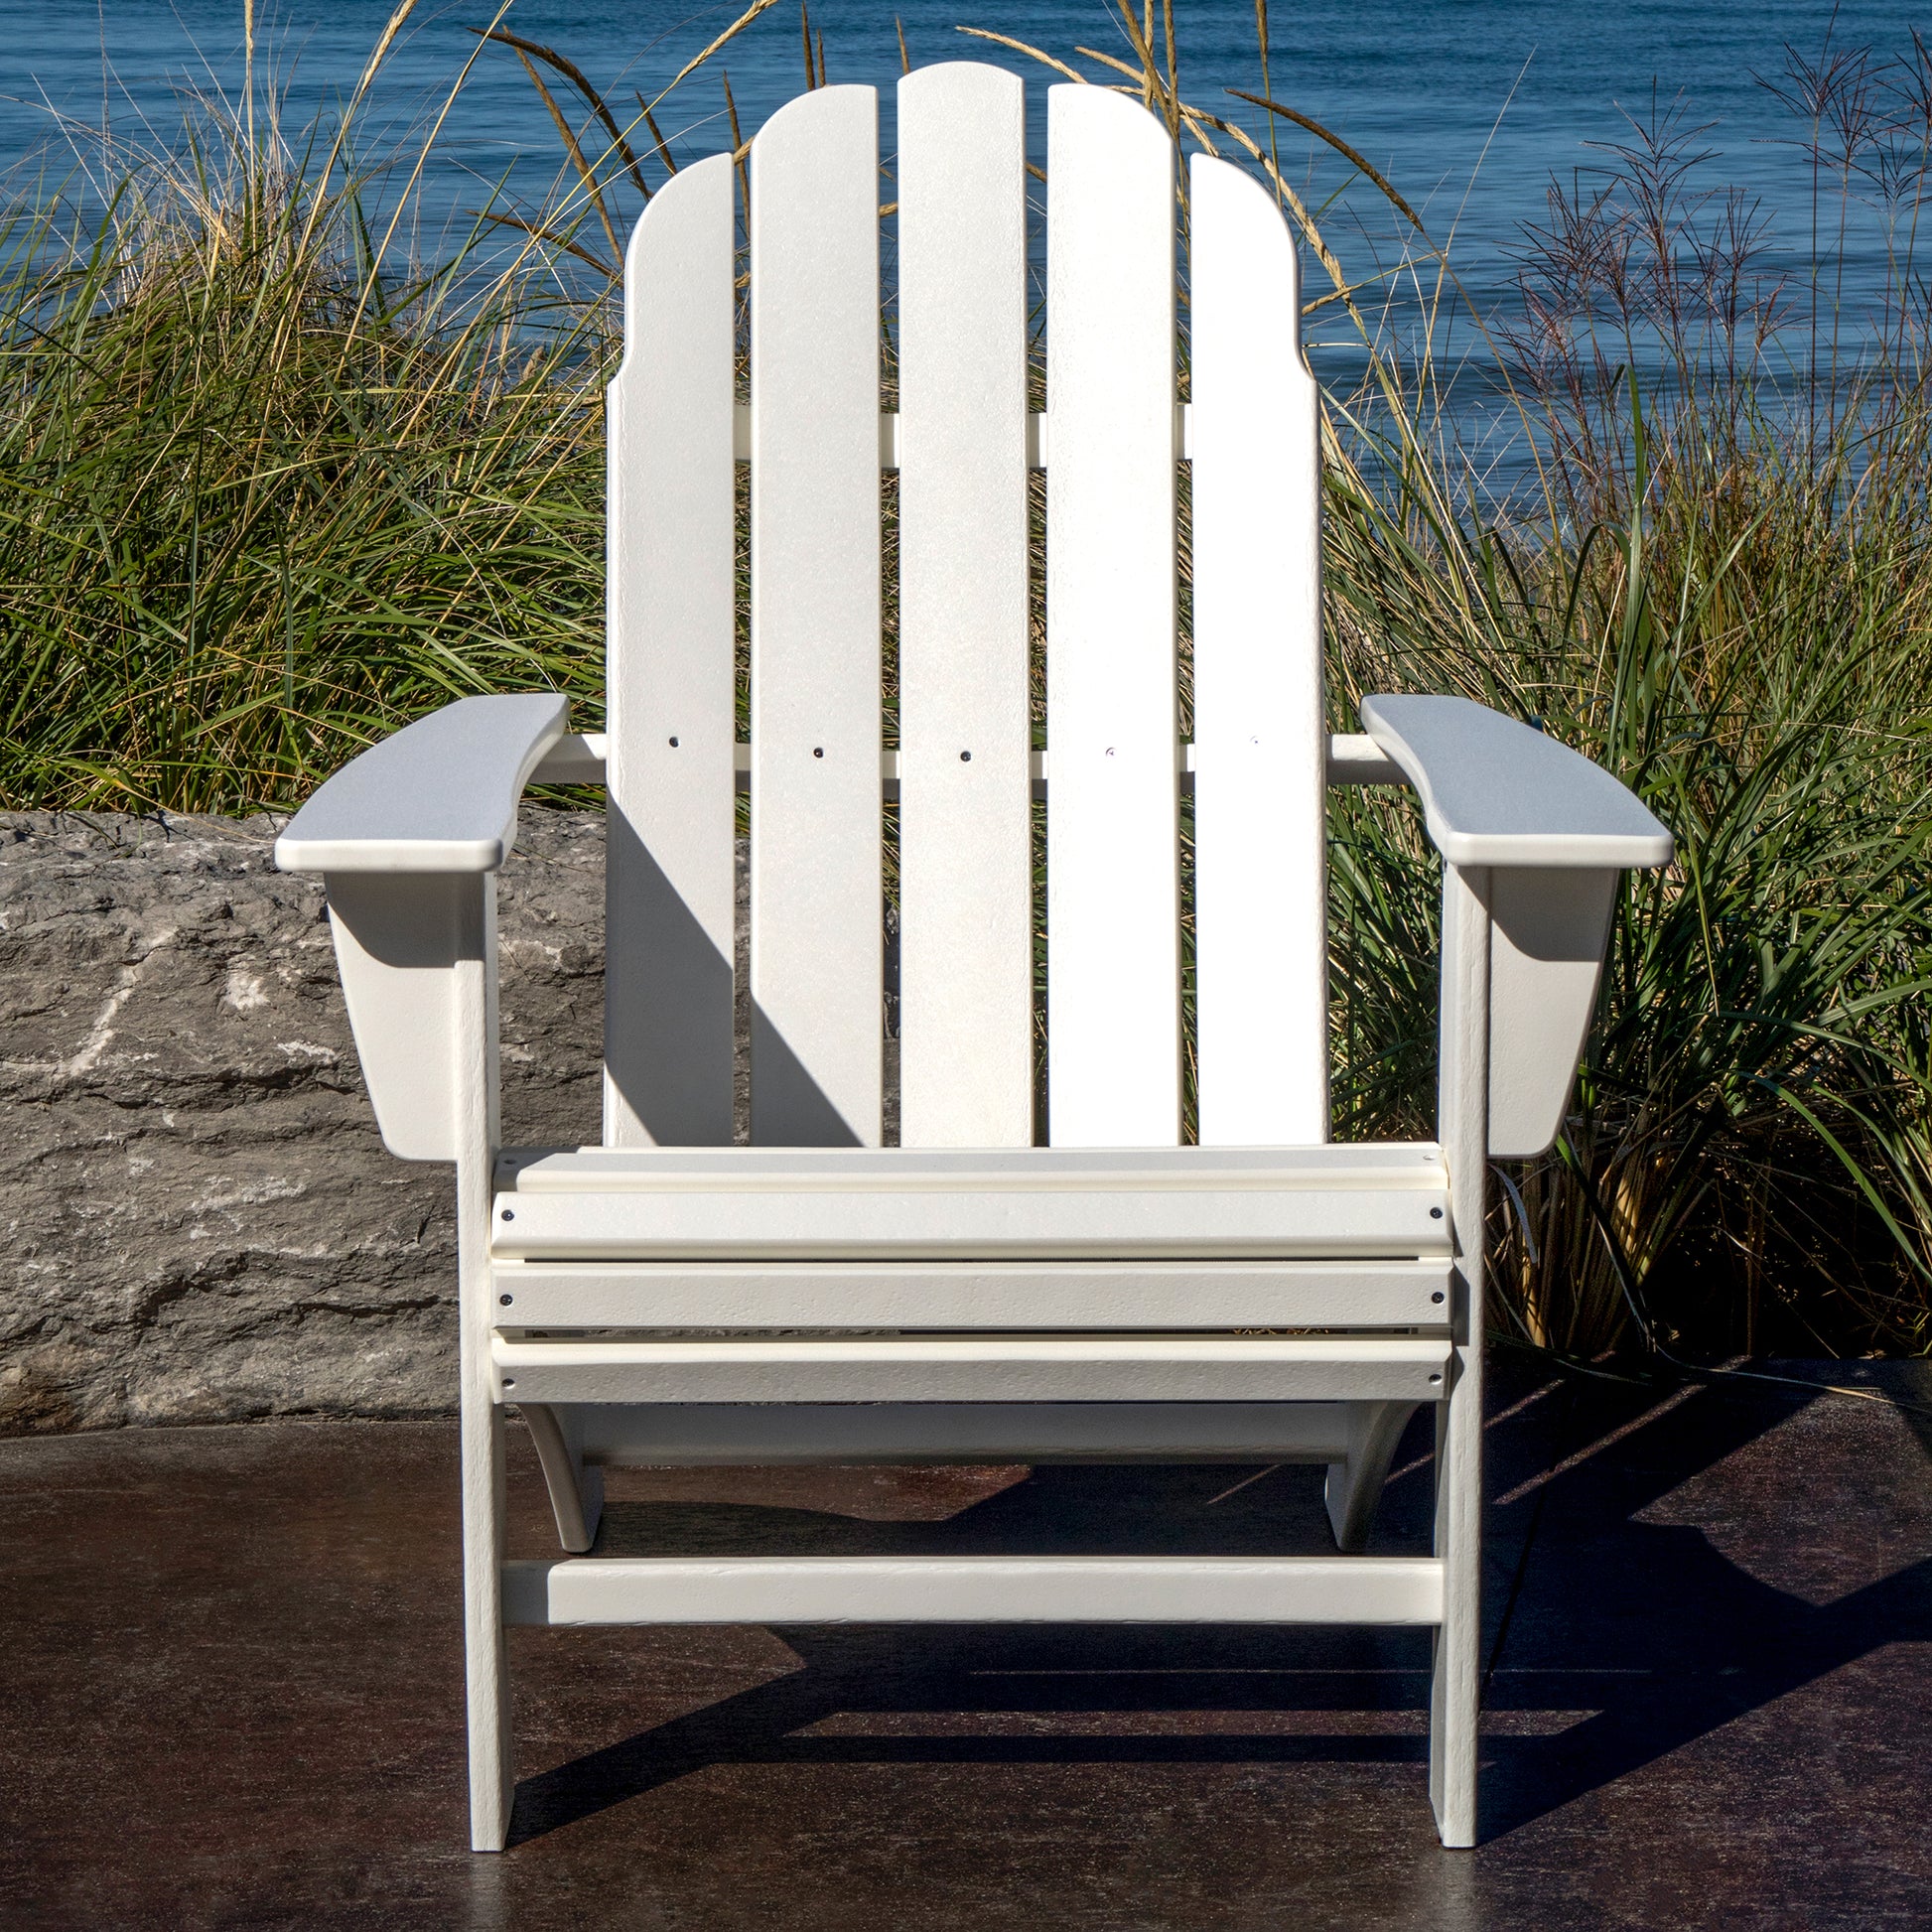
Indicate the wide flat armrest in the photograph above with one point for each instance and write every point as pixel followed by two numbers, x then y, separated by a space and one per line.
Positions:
pixel 1496 793
pixel 440 797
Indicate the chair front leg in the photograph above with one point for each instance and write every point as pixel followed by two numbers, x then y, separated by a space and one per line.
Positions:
pixel 472 1046
pixel 492 1779
pixel 1463 1131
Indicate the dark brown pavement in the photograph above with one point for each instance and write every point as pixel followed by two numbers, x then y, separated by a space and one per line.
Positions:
pixel 232 1687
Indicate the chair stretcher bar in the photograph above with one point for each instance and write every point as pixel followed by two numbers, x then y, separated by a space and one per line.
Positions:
pixel 1401 1591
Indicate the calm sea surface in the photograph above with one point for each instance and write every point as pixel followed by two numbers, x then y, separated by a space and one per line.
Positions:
pixel 1470 106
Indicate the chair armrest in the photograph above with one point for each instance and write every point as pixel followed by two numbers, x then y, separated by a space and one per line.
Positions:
pixel 439 797
pixel 1495 792
pixel 407 835
pixel 1539 838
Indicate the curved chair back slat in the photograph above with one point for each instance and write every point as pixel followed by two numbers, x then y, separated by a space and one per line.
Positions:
pixel 1113 884
pixel 817 890
pixel 667 1017
pixel 965 793
pixel 1260 945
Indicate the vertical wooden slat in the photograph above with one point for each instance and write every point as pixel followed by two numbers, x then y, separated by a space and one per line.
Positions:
pixel 1112 864
pixel 1260 777
pixel 817 908
pixel 667 1015
pixel 473 1063
pixel 965 860
pixel 1462 1128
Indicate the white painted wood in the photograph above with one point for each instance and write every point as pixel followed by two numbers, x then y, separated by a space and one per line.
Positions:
pixel 575 1491
pixel 669 676
pixel 965 799
pixel 706 1434
pixel 975 1590
pixel 1455 1682
pixel 1355 1478
pixel 472 1050
pixel 1354 759
pixel 1260 739
pixel 438 796
pixel 1548 936
pixel 577 758
pixel 1496 793
pixel 817 890
pixel 987 1369
pixel 1370 1164
pixel 1121 1213
pixel 762 1206
pixel 398 937
pixel 1112 865
pixel 970 1296
pixel 1021 1225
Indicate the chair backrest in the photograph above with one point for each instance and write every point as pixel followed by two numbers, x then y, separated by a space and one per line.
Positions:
pixel 1112 442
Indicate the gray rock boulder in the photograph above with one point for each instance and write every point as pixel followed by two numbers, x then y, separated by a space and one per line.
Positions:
pixel 200 1223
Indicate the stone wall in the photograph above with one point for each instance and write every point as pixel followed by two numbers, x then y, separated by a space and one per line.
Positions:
pixel 200 1222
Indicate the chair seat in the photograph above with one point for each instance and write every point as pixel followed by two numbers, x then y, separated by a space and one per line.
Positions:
pixel 1032 1204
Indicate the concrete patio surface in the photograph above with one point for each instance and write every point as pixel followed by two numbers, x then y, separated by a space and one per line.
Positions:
pixel 231 1694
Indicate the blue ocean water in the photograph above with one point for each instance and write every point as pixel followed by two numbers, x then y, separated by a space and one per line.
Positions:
pixel 1471 107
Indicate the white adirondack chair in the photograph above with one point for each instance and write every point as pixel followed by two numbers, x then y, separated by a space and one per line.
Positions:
pixel 974 1294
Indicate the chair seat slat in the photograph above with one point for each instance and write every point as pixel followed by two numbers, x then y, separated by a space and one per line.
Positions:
pixel 987 1369
pixel 970 1296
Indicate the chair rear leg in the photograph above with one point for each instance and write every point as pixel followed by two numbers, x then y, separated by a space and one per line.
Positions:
pixel 1354 1486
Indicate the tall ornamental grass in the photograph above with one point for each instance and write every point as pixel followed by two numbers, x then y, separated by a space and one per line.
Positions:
pixel 272 482
pixel 270 485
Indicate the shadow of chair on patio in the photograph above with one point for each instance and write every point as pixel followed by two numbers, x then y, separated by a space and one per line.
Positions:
pixel 1612 1642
